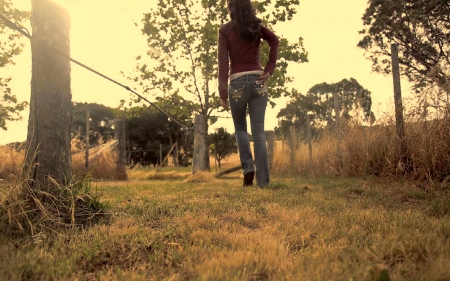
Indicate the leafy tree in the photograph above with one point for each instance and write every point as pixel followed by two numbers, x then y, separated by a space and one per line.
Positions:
pixel 10 46
pixel 184 33
pixel 147 127
pixel 420 27
pixel 352 98
pixel 183 110
pixel 100 125
pixel 295 113
pixel 222 144
pixel 319 101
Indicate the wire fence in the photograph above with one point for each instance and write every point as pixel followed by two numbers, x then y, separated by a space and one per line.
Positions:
pixel 27 34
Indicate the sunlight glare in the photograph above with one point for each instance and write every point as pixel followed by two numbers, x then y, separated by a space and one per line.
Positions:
pixel 62 3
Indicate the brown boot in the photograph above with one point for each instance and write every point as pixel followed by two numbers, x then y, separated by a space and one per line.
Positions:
pixel 248 178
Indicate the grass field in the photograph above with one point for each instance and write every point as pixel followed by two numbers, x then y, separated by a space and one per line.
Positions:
pixel 211 229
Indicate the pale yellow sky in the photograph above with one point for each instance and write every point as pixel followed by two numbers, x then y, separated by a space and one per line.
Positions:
pixel 104 37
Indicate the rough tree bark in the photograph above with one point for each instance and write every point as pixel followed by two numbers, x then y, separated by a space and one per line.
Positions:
pixel 200 160
pixel 48 140
pixel 120 135
pixel 399 122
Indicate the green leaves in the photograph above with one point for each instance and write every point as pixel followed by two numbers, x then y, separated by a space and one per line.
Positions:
pixel 9 106
pixel 319 103
pixel 186 33
pixel 10 46
pixel 101 122
pixel 420 27
pixel 287 53
pixel 222 144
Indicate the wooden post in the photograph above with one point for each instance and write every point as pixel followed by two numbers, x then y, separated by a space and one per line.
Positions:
pixel 176 164
pixel 308 135
pixel 48 141
pixel 337 112
pixel 199 161
pixel 120 135
pixel 270 136
pixel 398 103
pixel 293 144
pixel 215 156
pixel 165 159
pixel 160 155
pixel 87 138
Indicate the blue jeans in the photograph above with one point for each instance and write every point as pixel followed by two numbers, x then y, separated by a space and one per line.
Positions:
pixel 244 91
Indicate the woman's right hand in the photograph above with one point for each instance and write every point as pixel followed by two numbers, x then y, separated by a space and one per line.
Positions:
pixel 224 104
pixel 264 78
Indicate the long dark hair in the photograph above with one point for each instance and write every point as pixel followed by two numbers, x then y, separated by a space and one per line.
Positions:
pixel 243 16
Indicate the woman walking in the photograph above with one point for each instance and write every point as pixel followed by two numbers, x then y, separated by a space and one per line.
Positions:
pixel 238 48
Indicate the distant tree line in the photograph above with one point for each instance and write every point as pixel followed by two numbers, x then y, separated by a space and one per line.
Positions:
pixel 354 101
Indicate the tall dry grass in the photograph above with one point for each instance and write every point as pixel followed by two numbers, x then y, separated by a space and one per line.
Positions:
pixel 375 150
pixel 10 162
pixel 102 165
pixel 28 209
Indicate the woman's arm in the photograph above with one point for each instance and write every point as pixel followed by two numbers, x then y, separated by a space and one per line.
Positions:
pixel 224 65
pixel 273 41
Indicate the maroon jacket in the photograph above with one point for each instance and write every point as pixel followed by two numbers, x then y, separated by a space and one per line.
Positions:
pixel 244 56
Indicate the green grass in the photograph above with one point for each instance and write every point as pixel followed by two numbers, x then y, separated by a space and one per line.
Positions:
pixel 296 229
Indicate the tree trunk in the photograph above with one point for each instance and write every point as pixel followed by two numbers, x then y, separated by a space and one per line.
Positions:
pixel 270 136
pixel 120 135
pixel 200 161
pixel 48 140
pixel 400 125
pixel 206 118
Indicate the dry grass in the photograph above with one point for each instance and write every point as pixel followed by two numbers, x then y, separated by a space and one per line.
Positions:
pixel 153 174
pixel 201 177
pixel 102 166
pixel 29 208
pixel 10 162
pixel 309 230
pixel 227 163
pixel 374 151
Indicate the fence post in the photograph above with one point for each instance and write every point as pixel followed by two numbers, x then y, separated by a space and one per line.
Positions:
pixel 87 137
pixel 160 155
pixel 270 136
pixel 293 144
pixel 199 161
pixel 337 112
pixel 398 104
pixel 120 135
pixel 176 164
pixel 215 156
pixel 308 135
pixel 49 139
pixel 165 159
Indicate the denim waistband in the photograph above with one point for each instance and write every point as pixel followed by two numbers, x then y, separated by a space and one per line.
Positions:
pixel 246 78
pixel 256 73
